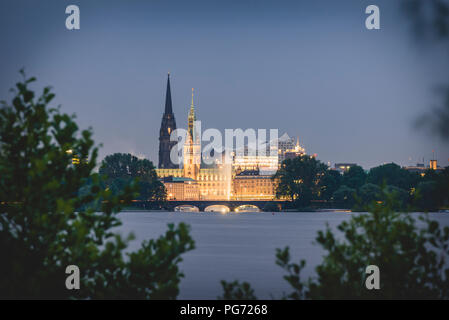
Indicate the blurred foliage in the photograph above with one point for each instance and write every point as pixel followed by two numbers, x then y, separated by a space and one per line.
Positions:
pixel 433 192
pixel 344 197
pixel 430 18
pixel 412 260
pixel 237 291
pixel 43 229
pixel 369 192
pixel 430 24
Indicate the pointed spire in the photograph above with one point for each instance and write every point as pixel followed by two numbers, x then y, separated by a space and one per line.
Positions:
pixel 191 118
pixel 192 107
pixel 168 105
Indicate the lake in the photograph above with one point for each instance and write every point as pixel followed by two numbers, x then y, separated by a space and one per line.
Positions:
pixel 240 246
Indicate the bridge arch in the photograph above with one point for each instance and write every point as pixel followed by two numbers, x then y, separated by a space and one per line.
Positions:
pixel 186 208
pixel 217 208
pixel 247 208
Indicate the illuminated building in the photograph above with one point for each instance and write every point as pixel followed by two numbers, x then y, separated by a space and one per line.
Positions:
pixel 251 185
pixel 255 162
pixel 421 169
pixel 75 158
pixel 433 165
pixel 212 183
pixel 164 173
pixel 288 148
pixel 217 181
pixel 296 151
pixel 344 167
pixel 181 188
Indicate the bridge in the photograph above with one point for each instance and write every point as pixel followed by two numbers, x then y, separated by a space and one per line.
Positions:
pixel 203 204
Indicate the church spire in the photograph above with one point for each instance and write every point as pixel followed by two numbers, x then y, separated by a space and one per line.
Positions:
pixel 192 107
pixel 168 105
pixel 168 125
pixel 191 119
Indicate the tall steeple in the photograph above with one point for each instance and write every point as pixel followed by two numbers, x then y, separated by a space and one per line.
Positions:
pixel 191 119
pixel 192 146
pixel 168 105
pixel 168 125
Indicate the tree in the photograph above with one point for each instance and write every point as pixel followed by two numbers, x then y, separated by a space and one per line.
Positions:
pixel 433 191
pixel 344 197
pixel 393 175
pixel 300 179
pixel 237 291
pixel 426 197
pixel 331 181
pixel 355 177
pixel 44 225
pixel 442 181
pixel 369 192
pixel 403 198
pixel 121 168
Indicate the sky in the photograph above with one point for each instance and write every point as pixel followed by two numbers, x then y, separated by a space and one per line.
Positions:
pixel 308 68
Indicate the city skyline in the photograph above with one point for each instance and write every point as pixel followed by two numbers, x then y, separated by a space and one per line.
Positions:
pixel 350 94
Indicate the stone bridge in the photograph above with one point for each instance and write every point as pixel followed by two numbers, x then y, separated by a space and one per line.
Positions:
pixel 203 204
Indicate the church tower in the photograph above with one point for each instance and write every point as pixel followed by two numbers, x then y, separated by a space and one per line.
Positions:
pixel 192 147
pixel 168 124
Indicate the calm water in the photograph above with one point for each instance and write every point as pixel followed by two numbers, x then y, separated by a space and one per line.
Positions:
pixel 239 246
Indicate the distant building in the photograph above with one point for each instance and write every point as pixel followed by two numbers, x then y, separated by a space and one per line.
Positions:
pixel 433 165
pixel 255 162
pixel 164 173
pixel 288 148
pixel 251 185
pixel 344 167
pixel 421 168
pixel 181 188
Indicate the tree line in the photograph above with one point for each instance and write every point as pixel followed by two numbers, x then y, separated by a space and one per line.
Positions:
pixel 305 179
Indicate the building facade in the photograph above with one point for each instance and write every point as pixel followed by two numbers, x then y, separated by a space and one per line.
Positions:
pixel 288 148
pixel 251 185
pixel 181 188
pixel 421 169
